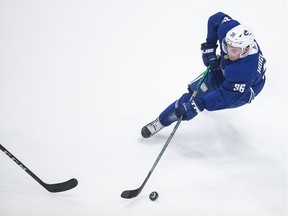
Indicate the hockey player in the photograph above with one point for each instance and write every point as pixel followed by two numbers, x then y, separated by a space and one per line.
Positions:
pixel 235 78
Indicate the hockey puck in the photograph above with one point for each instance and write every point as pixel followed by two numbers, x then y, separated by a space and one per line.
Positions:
pixel 153 196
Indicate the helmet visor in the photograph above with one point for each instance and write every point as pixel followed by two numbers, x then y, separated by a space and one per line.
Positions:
pixel 233 50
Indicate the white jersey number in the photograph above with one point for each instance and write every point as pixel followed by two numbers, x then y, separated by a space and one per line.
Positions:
pixel 239 87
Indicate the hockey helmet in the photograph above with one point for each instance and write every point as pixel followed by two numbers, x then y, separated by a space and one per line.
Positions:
pixel 240 36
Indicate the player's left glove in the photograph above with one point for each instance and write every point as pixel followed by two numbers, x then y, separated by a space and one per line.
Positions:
pixel 209 56
pixel 188 110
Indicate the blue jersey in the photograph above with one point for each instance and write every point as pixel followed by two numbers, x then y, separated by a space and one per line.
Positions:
pixel 238 81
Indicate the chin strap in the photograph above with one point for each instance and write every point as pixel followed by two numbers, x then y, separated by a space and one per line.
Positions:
pixel 252 50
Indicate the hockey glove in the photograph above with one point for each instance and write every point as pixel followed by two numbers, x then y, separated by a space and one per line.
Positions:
pixel 188 110
pixel 209 55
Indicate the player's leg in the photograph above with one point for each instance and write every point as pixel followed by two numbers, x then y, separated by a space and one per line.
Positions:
pixel 211 82
pixel 166 118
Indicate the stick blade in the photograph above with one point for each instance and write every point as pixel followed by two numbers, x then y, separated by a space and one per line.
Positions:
pixel 129 194
pixel 60 187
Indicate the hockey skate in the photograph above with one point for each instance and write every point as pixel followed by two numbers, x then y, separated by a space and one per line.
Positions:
pixel 151 128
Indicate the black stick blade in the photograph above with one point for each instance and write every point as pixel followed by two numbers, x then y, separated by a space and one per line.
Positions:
pixel 60 187
pixel 128 194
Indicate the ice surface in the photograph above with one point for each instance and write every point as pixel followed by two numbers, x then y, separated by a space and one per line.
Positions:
pixel 78 80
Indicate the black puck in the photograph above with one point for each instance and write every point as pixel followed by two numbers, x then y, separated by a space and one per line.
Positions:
pixel 153 196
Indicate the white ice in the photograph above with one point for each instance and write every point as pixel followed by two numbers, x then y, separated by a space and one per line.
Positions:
pixel 78 80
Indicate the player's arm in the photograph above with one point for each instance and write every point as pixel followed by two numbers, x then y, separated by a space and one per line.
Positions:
pixel 209 47
pixel 213 25
pixel 228 95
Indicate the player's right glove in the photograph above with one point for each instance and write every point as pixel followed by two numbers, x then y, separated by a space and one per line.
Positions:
pixel 188 110
pixel 209 55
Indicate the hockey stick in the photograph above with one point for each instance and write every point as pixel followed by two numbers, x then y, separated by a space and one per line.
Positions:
pixel 128 194
pixel 57 187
